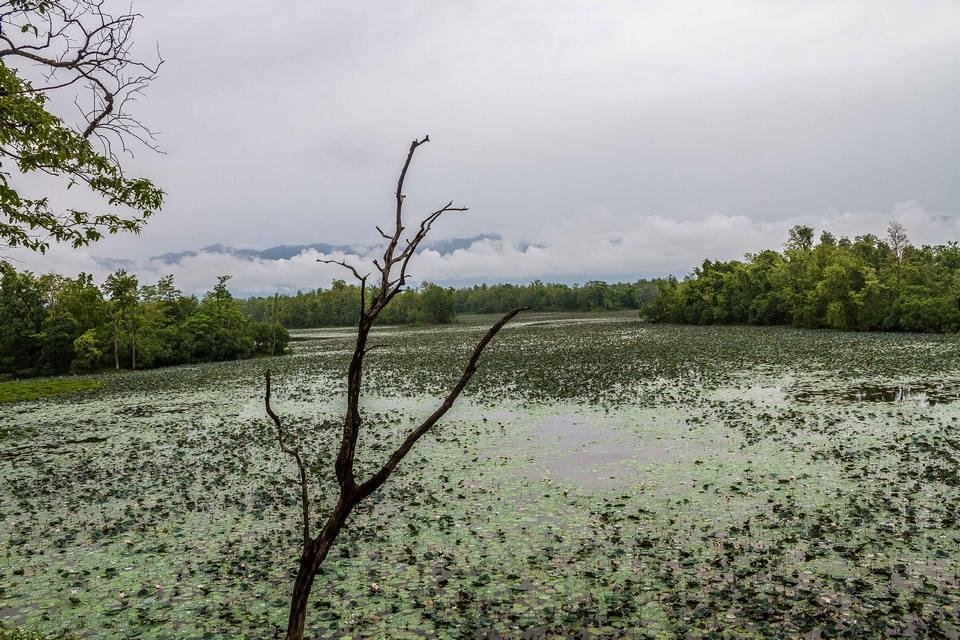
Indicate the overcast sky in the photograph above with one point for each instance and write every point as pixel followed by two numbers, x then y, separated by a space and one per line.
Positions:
pixel 621 138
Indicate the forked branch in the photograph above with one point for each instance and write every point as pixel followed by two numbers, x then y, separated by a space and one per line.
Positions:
pixel 381 476
pixel 295 454
pixel 346 265
pixel 393 255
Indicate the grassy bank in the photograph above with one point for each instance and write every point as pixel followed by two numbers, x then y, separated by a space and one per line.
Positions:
pixel 19 391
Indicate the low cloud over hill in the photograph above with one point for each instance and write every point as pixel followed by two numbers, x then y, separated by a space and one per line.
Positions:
pixel 597 244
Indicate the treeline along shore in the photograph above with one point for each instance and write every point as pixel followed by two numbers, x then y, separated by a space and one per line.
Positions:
pixel 51 324
pixel 866 283
pixel 432 304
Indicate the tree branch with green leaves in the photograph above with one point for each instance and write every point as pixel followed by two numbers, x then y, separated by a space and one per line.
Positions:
pixel 62 45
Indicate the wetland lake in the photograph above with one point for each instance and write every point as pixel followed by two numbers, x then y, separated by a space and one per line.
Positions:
pixel 600 478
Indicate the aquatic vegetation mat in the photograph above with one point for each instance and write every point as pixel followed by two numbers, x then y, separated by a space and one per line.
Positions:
pixel 603 477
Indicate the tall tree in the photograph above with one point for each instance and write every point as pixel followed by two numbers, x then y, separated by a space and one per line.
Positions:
pixel 392 274
pixel 898 242
pixel 74 45
pixel 76 306
pixel 274 324
pixel 164 294
pixel 121 290
pixel 800 238
pixel 21 316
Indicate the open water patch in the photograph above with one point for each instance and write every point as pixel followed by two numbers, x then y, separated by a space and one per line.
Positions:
pixel 920 394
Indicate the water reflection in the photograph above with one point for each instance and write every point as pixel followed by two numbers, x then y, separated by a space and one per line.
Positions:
pixel 916 394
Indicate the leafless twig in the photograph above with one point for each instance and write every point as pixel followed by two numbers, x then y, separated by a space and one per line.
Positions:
pixel 81 43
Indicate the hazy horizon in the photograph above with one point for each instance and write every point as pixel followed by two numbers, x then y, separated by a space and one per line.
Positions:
pixel 625 138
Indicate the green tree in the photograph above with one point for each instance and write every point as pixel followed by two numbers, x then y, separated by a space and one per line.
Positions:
pixel 218 330
pixel 87 354
pixel 866 284
pixel 75 306
pixel 270 338
pixel 88 49
pixel 800 238
pixel 22 313
pixel 121 289
pixel 438 304
pixel 52 324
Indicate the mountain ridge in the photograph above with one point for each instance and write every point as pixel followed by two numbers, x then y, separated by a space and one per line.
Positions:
pixel 288 251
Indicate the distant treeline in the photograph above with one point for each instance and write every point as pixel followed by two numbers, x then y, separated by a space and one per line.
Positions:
pixel 50 324
pixel 867 283
pixel 340 304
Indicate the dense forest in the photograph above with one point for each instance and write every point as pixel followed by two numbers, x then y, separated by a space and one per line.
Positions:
pixel 340 304
pixel 868 283
pixel 50 324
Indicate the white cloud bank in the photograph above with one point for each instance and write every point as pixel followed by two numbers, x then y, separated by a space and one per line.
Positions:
pixel 596 243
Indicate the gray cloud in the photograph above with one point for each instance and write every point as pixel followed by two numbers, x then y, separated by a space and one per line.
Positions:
pixel 286 123
pixel 595 244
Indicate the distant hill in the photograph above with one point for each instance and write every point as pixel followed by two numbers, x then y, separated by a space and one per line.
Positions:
pixel 287 251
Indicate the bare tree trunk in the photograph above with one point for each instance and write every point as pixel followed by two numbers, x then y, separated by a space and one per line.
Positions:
pixel 313 554
pixel 273 326
pixel 116 346
pixel 301 595
pixel 133 351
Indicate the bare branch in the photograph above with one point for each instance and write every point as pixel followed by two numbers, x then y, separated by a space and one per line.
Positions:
pixel 390 288
pixel 398 226
pixel 78 42
pixel 381 476
pixel 425 226
pixel 346 265
pixel 372 347
pixel 295 454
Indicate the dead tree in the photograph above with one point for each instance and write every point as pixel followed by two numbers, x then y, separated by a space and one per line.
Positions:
pixel 392 275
